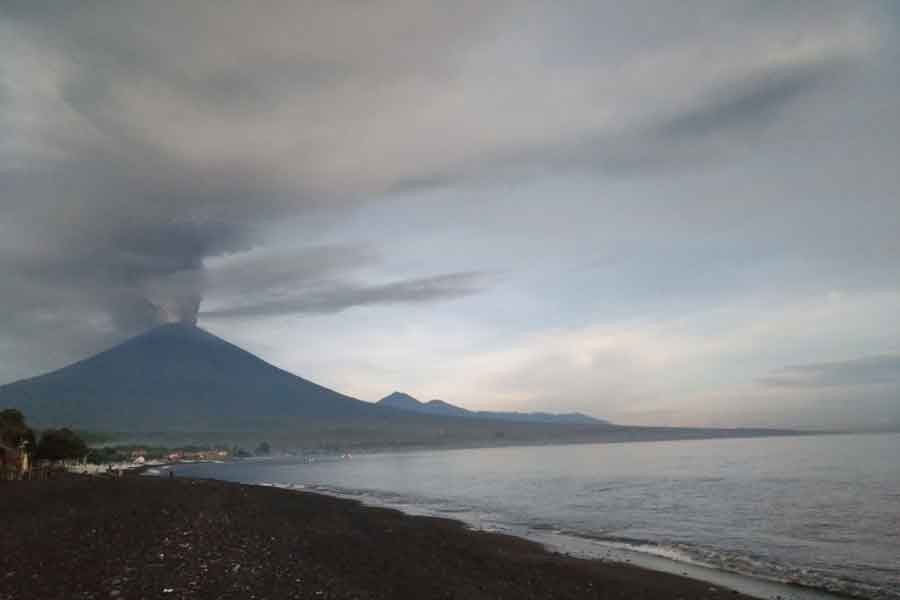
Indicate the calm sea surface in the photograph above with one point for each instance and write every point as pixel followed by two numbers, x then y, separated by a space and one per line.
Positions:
pixel 822 511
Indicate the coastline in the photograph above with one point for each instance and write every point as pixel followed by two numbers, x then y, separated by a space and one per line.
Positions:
pixel 185 538
pixel 591 549
pixel 757 568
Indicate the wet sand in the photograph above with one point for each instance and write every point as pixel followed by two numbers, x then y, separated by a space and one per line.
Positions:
pixel 141 537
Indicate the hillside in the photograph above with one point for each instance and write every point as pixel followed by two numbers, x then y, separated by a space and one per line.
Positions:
pixel 176 377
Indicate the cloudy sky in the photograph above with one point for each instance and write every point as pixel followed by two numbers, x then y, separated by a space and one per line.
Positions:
pixel 653 212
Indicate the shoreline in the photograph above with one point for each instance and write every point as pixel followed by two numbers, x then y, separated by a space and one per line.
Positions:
pixel 586 548
pixel 337 447
pixel 759 574
pixel 147 537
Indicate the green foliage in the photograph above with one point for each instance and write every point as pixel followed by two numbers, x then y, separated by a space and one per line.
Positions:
pixel 11 417
pixel 106 454
pixel 155 452
pixel 13 429
pixel 61 444
pixel 96 438
pixel 195 448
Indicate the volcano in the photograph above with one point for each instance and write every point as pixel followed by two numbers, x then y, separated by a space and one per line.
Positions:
pixel 177 376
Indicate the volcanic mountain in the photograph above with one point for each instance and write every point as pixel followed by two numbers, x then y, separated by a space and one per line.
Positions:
pixel 177 377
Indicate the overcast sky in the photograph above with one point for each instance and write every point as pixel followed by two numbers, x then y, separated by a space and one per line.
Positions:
pixel 653 212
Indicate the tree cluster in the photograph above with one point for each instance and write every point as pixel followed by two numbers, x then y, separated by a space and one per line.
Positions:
pixel 13 430
pixel 61 444
pixel 54 444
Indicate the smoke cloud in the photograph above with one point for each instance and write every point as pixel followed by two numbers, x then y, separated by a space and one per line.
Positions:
pixel 133 153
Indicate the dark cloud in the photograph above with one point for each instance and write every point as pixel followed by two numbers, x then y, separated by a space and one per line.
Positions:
pixel 128 233
pixel 280 271
pixel 859 371
pixel 336 297
pixel 121 189
pixel 750 103
pixel 144 142
pixel 711 129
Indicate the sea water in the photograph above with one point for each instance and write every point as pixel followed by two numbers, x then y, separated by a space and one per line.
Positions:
pixel 818 511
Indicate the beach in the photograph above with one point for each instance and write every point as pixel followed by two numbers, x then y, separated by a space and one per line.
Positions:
pixel 141 537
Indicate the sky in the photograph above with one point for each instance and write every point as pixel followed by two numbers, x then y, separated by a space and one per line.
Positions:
pixel 651 212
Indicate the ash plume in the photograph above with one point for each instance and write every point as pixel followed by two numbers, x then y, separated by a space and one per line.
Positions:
pixel 130 156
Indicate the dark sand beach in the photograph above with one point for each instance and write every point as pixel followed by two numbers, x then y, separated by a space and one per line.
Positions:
pixel 136 537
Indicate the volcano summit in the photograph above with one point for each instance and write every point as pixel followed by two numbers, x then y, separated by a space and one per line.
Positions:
pixel 176 376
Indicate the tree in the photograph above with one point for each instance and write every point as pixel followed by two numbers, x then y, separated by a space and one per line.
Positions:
pixel 61 444
pixel 264 449
pixel 13 430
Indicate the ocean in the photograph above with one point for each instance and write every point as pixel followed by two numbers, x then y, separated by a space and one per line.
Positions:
pixel 821 512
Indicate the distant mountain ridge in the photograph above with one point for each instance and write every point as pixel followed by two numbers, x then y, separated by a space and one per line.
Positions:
pixel 402 401
pixel 178 384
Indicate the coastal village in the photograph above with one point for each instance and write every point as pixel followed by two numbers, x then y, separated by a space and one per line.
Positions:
pixel 18 464
pixel 24 456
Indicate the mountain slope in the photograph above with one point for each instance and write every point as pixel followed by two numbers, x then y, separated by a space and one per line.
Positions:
pixel 401 401
pixel 175 376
